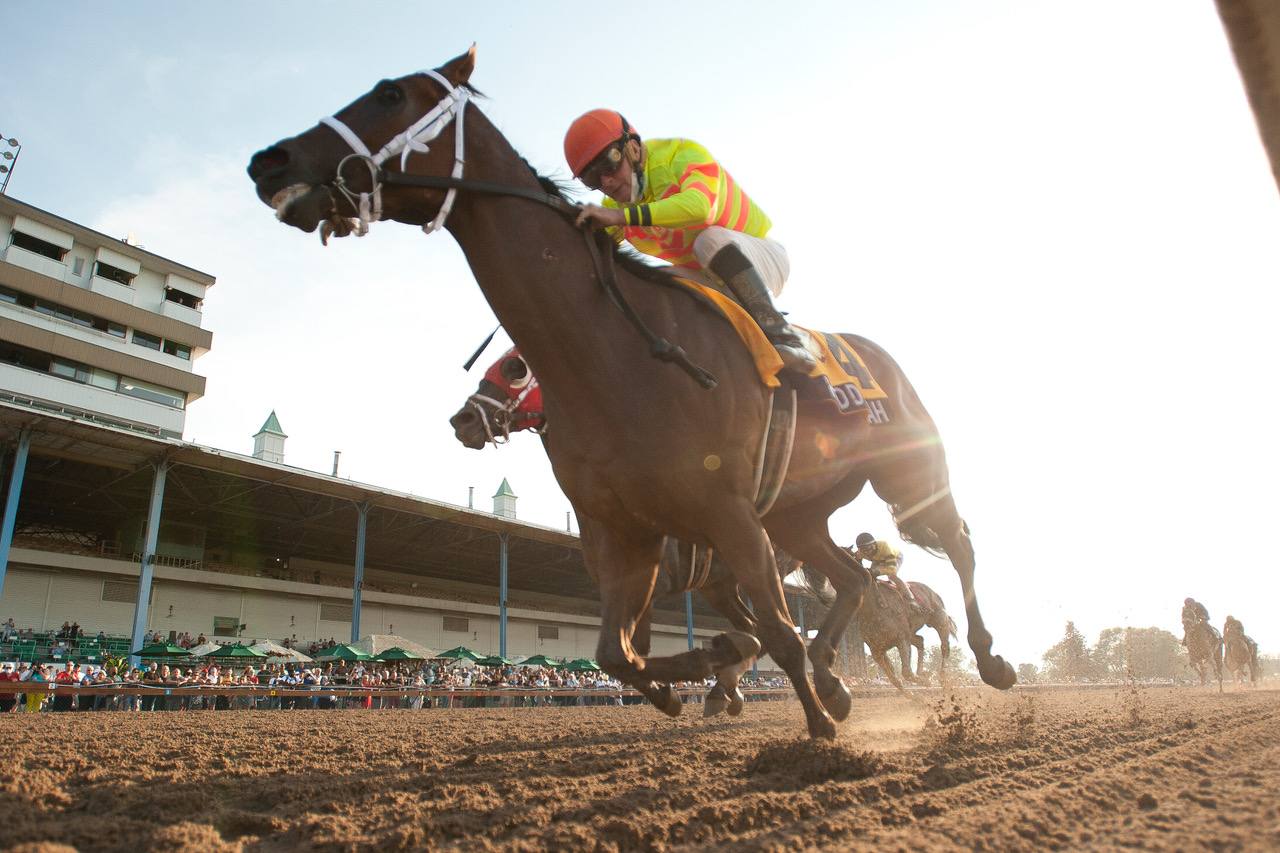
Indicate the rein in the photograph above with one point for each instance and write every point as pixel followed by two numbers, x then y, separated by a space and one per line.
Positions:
pixel 368 206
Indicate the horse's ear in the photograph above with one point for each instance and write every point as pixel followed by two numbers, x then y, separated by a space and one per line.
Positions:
pixel 458 70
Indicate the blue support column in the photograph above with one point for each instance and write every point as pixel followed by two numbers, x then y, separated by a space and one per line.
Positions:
pixel 11 503
pixel 143 605
pixel 755 663
pixel 357 584
pixel 502 595
pixel 688 615
pixel 804 629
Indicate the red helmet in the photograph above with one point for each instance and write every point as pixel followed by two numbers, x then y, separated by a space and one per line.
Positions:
pixel 591 133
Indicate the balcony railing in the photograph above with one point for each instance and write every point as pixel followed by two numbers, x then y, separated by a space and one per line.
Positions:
pixel 20 257
pixel 114 289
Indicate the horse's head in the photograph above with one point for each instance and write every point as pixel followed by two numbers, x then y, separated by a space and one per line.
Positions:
pixel 508 400
pixel 326 175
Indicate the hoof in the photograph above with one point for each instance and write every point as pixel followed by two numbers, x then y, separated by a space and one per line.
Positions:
pixel 667 700
pixel 738 647
pixel 838 701
pixel 736 702
pixel 713 706
pixel 997 673
pixel 822 727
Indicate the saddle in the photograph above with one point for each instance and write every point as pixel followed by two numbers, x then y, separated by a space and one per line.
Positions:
pixel 841 376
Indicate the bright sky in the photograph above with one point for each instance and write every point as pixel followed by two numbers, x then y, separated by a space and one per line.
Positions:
pixel 1057 217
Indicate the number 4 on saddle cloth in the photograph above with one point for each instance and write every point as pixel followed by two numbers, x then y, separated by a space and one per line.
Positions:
pixel 841 376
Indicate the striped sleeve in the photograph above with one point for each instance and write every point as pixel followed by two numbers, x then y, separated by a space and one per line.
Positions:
pixel 695 199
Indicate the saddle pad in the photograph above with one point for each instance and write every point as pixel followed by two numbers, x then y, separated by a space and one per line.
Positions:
pixel 840 368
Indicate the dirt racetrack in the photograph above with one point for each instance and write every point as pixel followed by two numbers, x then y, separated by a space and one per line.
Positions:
pixel 1164 768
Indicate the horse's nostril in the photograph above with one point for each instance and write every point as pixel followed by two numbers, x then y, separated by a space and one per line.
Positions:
pixel 268 160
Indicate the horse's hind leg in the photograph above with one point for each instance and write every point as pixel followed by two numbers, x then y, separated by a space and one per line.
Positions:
pixel 917 642
pixel 746 550
pixel 939 521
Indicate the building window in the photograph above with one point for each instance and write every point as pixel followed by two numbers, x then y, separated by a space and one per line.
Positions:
pixel 20 356
pixel 7 295
pixel 69 370
pixel 105 270
pixel 38 246
pixel 77 266
pixel 335 612
pixel 548 632
pixel 457 624
pixel 116 330
pixel 174 295
pixel 180 350
pixel 153 393
pixel 124 592
pixel 142 339
pixel 226 626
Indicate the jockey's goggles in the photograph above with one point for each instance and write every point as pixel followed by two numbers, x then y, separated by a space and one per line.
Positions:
pixel 606 163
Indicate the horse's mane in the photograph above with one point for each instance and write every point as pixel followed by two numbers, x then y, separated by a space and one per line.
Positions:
pixel 629 259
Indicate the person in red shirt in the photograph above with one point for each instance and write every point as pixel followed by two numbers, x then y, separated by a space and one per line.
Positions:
pixel 8 701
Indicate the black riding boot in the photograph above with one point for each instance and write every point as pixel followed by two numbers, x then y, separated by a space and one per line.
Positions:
pixel 735 270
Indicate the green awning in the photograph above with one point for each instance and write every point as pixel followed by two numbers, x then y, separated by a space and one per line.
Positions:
pixel 460 653
pixel 494 660
pixel 539 660
pixel 582 665
pixel 342 652
pixel 397 653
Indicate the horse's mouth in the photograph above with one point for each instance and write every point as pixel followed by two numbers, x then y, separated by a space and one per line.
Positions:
pixel 471 439
pixel 302 205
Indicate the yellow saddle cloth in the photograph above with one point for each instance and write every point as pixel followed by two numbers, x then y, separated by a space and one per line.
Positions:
pixel 840 369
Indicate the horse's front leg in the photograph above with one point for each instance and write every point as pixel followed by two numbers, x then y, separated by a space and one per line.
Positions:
pixel 627 569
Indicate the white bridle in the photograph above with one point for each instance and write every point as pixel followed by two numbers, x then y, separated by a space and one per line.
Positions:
pixel 368 206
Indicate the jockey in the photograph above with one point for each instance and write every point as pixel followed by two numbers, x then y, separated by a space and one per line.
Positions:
pixel 1232 622
pixel 885 560
pixel 1192 610
pixel 669 198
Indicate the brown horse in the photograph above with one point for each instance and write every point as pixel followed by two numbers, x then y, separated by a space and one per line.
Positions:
pixel 1241 651
pixel 887 622
pixel 641 451
pixel 1204 646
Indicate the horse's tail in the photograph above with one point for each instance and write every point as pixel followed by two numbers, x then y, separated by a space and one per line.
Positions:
pixel 914 531
pixel 952 629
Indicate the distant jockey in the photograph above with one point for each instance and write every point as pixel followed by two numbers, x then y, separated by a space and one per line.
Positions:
pixel 671 199
pixel 885 560
pixel 1192 612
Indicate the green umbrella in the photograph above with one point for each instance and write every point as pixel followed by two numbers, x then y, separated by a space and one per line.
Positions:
pixel 235 650
pixel 162 650
pixel 494 660
pixel 582 665
pixel 539 660
pixel 460 653
pixel 342 652
pixel 397 653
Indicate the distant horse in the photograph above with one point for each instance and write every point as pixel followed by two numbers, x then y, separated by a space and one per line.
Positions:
pixel 1241 651
pixel 887 622
pixel 641 451
pixel 1204 646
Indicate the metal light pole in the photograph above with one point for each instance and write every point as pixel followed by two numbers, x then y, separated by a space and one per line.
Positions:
pixel 11 160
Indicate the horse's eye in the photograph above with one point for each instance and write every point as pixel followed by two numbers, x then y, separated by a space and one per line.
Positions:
pixel 390 95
